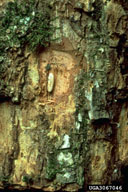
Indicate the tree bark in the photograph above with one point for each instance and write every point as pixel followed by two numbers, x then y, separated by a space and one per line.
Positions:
pixel 76 133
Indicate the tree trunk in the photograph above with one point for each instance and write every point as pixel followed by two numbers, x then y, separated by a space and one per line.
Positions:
pixel 63 108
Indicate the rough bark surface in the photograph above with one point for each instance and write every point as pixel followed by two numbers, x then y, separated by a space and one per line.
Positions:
pixel 64 109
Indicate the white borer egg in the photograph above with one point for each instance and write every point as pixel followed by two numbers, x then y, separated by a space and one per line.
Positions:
pixel 50 82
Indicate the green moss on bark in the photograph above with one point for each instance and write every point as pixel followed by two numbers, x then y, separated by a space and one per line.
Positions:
pixel 24 23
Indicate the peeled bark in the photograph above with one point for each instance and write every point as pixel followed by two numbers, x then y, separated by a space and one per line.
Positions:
pixel 76 133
